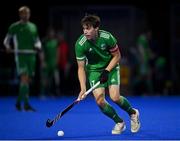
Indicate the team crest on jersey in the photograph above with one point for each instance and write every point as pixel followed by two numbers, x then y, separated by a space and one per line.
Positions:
pixel 103 46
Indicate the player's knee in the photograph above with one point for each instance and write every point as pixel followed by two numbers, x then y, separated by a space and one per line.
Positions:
pixel 24 78
pixel 115 97
pixel 100 102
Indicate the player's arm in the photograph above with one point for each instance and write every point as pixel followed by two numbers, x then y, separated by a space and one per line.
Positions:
pixel 39 50
pixel 42 58
pixel 116 56
pixel 37 41
pixel 81 77
pixel 37 44
pixel 6 41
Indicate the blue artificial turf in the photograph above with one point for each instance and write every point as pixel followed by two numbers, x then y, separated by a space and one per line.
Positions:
pixel 160 119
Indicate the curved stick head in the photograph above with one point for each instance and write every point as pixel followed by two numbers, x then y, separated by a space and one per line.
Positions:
pixel 49 123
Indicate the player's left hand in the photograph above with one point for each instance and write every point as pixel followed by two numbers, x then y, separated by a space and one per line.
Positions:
pixel 104 76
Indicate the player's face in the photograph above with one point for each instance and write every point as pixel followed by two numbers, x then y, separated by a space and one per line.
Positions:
pixel 90 32
pixel 24 15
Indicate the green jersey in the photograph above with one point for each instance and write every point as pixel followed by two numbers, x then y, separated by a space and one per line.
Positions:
pixel 24 35
pixel 98 54
pixel 143 42
pixel 50 52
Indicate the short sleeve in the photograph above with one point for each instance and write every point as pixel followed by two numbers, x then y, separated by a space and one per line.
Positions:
pixel 11 29
pixel 80 55
pixel 112 43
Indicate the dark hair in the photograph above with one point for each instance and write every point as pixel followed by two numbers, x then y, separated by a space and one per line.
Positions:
pixel 91 20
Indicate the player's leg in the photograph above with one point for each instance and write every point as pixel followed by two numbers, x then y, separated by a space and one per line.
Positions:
pixel 20 97
pixel 56 81
pixel 21 69
pixel 28 74
pixel 114 91
pixel 109 111
pixel 51 82
pixel 24 90
pixel 99 94
pixel 44 88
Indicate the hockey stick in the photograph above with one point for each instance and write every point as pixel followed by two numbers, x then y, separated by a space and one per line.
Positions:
pixel 49 122
pixel 23 51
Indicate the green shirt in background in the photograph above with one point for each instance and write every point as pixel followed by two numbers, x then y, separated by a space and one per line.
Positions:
pixel 24 35
pixel 143 42
pixel 50 52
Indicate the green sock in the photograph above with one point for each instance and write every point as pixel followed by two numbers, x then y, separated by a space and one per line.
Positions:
pixel 26 94
pixel 125 105
pixel 23 93
pixel 20 95
pixel 111 113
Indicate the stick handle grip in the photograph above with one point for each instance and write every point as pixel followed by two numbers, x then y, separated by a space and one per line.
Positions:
pixel 89 91
pixel 92 88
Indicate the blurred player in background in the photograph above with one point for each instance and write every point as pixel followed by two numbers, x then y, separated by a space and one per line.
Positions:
pixel 49 73
pixel 25 37
pixel 98 57
pixel 145 55
pixel 63 62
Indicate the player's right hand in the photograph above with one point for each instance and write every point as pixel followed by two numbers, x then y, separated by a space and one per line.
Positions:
pixel 82 95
